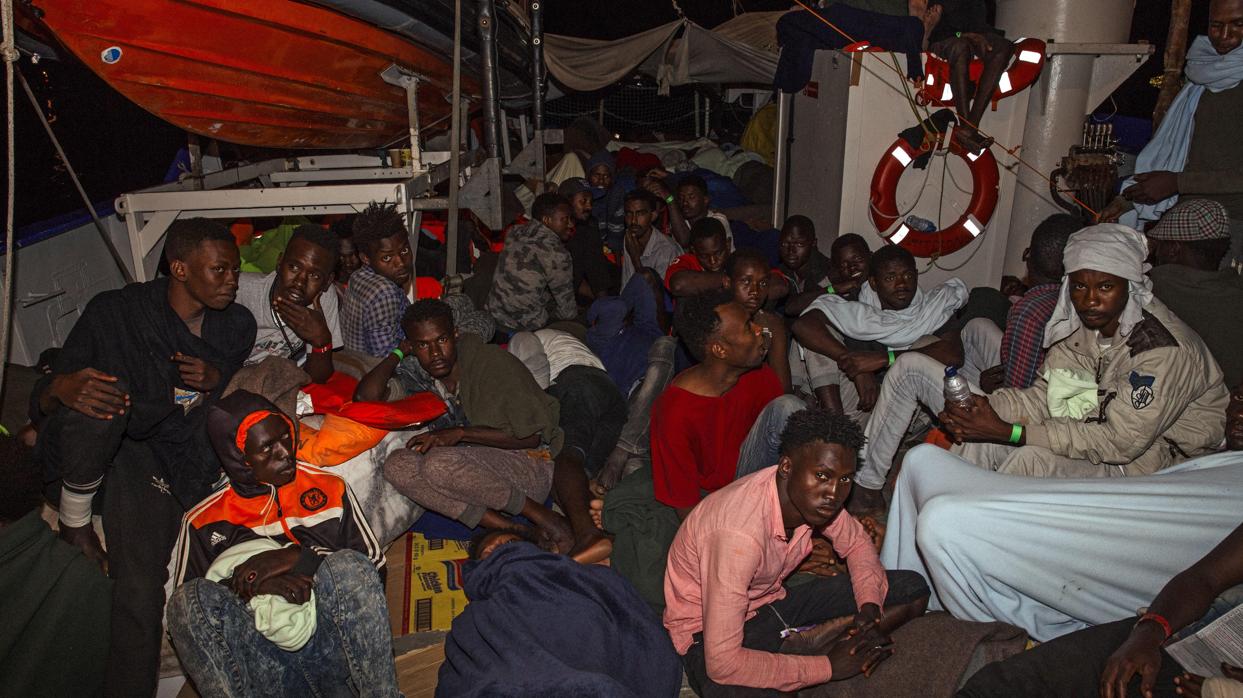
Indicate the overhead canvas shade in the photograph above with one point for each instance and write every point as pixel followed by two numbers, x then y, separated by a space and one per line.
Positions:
pixel 739 51
pixel 585 65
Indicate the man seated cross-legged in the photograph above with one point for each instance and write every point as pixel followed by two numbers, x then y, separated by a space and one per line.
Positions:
pixel 727 607
pixel 492 454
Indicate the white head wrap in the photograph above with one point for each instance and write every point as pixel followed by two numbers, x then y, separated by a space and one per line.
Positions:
pixel 1112 249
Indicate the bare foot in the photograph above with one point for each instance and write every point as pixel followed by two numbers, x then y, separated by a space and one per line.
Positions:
pixel 597 513
pixel 84 538
pixel 592 547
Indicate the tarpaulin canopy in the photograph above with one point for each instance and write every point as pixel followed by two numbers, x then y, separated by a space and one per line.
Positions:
pixel 677 53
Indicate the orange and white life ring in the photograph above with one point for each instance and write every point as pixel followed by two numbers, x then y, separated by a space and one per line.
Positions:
pixel 985 180
pixel 1025 65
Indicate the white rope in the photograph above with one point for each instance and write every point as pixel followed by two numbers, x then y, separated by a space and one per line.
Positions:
pixel 10 55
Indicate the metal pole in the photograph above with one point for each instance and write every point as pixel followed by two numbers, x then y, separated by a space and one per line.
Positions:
pixel 455 145
pixel 412 108
pixel 491 105
pixel 537 83
pixel 537 64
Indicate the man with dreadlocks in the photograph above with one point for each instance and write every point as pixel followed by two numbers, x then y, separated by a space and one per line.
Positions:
pixel 380 290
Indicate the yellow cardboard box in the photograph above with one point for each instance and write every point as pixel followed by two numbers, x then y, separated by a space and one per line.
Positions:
pixel 425 583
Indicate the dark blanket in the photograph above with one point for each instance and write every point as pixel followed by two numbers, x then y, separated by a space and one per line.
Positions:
pixel 132 333
pixel 540 624
pixel 56 606
pixel 801 34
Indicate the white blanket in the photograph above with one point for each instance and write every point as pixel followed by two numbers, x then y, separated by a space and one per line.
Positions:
pixel 866 321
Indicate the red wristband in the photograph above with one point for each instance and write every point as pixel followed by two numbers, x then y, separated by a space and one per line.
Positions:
pixel 320 350
pixel 1159 620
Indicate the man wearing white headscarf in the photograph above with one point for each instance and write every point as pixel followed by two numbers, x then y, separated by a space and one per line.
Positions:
pixel 1126 388
pixel 1196 150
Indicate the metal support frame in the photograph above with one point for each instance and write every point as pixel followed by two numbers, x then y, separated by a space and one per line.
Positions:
pixel 408 81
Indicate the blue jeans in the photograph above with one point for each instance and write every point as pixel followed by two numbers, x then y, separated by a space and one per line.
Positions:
pixel 350 654
pixel 762 447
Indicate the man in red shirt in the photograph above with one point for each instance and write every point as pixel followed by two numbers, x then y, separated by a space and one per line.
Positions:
pixel 727 609
pixel 721 419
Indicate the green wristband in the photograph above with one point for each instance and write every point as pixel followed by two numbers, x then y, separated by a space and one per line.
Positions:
pixel 1016 434
pixel 892 358
pixel 829 289
pixel 669 199
pixel 401 356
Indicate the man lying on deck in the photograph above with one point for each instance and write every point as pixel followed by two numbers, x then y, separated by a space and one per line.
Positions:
pixel 492 454
pixel 276 585
pixel 592 415
pixel 381 289
pixel 295 307
pixel 125 398
pixel 606 641
pixel 1127 388
pixel 727 607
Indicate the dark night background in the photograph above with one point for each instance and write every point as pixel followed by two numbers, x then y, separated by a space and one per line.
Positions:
pixel 117 147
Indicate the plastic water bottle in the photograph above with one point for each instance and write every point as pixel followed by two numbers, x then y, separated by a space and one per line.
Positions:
pixel 957 391
pixel 922 225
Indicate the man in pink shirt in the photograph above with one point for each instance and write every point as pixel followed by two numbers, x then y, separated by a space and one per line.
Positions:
pixel 727 609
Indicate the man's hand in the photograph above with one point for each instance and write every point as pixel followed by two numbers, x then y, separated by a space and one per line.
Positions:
pixel 656 187
pixel 197 373
pixel 1114 210
pixel 1013 286
pixel 633 250
pixel 90 392
pixel 992 378
pixel 306 322
pixel 979 45
pixel 1151 187
pixel 979 423
pixel 1140 654
pixel 249 576
pixel 857 362
pixel 868 389
pixel 856 653
pixel 83 538
pixel 294 588
pixel 432 439
pixel 1191 685
pixel 865 618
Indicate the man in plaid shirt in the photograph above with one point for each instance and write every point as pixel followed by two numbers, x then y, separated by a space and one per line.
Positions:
pixel 378 292
pixel 1022 348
